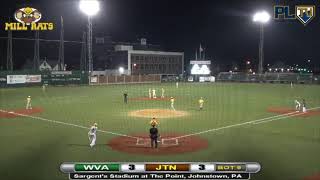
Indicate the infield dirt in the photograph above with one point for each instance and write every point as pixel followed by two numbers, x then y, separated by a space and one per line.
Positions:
pixel 158 113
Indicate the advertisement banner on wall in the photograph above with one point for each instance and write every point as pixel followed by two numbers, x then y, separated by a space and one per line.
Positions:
pixel 61 72
pixel 22 79
pixel 3 80
pixel 16 79
pixel 207 79
pixel 33 78
pixel 94 79
pixel 190 79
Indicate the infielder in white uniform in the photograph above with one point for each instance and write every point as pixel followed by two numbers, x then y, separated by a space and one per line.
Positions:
pixel 172 103
pixel 162 93
pixel 150 93
pixel 154 93
pixel 298 105
pixel 28 106
pixel 92 134
pixel 43 88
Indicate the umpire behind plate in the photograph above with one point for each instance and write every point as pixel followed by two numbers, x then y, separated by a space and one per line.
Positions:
pixel 154 135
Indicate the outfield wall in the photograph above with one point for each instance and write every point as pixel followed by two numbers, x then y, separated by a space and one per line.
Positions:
pixel 124 79
pixel 34 78
pixel 269 77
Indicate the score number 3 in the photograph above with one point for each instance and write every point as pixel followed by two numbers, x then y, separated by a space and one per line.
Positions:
pixel 202 167
pixel 132 167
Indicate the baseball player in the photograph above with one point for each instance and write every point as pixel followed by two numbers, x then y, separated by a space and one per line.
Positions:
pixel 43 88
pixel 154 93
pixel 177 84
pixel 304 106
pixel 125 97
pixel 92 134
pixel 162 93
pixel 172 103
pixel 201 101
pixel 298 105
pixel 150 93
pixel 28 106
pixel 154 134
pixel 154 121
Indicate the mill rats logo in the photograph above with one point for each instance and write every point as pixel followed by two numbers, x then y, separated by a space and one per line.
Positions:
pixel 28 19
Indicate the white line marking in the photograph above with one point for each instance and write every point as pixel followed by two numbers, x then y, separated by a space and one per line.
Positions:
pixel 281 115
pixel 254 122
pixel 64 123
pixel 260 122
pixel 268 119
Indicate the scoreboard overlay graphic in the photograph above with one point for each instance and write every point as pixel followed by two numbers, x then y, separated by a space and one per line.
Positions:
pixel 160 170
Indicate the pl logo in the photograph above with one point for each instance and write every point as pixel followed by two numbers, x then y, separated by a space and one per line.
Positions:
pixel 304 13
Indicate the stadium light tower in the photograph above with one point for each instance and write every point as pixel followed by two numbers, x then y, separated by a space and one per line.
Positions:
pixel 262 18
pixel 90 8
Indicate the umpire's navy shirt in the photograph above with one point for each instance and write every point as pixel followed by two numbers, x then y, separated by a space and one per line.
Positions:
pixel 153 133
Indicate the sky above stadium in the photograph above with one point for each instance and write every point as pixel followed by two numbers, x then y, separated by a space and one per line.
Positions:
pixel 224 28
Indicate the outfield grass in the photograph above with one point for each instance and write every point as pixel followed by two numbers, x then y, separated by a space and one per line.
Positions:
pixel 287 149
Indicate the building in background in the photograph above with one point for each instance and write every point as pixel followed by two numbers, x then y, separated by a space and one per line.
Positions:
pixel 136 58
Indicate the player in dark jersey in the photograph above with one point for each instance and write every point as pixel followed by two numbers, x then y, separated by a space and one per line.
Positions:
pixel 154 135
pixel 304 106
pixel 125 97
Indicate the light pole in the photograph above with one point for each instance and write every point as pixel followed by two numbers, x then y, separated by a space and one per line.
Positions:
pixel 90 8
pixel 262 18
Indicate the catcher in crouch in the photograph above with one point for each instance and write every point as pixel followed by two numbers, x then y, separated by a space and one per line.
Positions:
pixel 154 133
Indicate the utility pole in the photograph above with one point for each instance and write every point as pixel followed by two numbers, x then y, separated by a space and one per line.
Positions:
pixel 83 58
pixel 61 48
pixel 89 35
pixel 9 52
pixel 261 52
pixel 36 55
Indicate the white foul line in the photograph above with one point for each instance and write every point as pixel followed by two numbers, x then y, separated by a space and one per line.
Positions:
pixel 254 122
pixel 266 121
pixel 64 123
pixel 258 121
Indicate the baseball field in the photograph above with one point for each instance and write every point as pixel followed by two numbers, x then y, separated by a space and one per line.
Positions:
pixel 239 122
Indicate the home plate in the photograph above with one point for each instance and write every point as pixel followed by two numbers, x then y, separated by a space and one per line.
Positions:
pixel 10 112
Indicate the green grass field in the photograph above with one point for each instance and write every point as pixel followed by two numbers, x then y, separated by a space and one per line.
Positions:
pixel 287 149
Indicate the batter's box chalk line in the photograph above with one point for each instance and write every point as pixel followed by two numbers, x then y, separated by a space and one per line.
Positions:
pixel 164 141
pixel 170 142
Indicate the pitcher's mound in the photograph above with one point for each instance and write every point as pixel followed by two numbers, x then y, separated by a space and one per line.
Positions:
pixel 158 113
pixel 168 144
